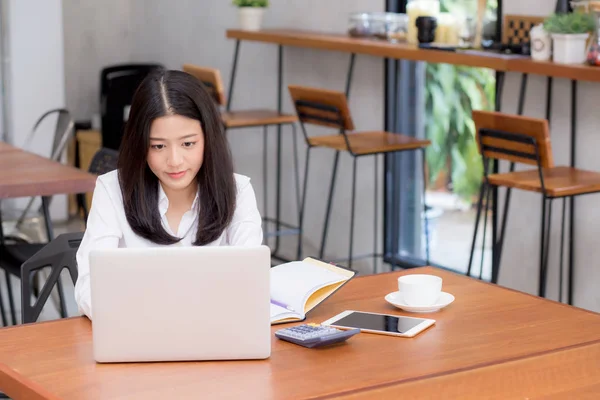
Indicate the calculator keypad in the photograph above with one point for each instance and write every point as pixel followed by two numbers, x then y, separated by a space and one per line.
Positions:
pixel 313 335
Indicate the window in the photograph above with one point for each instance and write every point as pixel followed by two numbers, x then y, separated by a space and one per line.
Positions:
pixel 435 101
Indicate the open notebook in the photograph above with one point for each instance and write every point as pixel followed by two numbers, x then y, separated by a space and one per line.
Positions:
pixel 299 286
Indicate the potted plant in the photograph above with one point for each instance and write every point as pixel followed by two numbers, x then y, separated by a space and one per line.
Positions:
pixel 569 36
pixel 251 13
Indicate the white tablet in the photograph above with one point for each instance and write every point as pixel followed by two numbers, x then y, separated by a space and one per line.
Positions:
pixel 384 324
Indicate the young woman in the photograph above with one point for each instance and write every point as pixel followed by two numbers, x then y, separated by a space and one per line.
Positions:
pixel 174 184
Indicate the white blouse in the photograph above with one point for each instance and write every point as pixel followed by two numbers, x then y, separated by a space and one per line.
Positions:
pixel 107 227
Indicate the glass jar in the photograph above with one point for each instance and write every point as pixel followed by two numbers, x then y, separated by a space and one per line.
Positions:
pixel 360 25
pixel 418 8
pixel 390 26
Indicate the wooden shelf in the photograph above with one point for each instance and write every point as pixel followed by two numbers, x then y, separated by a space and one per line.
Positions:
pixel 381 48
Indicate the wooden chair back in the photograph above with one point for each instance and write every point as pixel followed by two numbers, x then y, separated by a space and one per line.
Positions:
pixel 322 107
pixel 513 138
pixel 211 78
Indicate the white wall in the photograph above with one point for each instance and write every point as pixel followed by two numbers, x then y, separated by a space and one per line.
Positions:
pixel 36 76
pixel 97 34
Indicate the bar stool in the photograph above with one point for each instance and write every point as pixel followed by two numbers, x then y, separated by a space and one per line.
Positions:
pixel 211 78
pixel 330 109
pixel 526 140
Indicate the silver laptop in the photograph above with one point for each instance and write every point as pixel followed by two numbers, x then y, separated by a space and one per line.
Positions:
pixel 180 303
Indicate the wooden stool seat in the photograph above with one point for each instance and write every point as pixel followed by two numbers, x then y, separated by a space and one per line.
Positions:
pixel 248 118
pixel 329 109
pixel 558 181
pixel 373 142
pixel 525 140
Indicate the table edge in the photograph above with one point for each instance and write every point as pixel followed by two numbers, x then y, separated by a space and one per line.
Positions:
pixel 456 370
pixel 18 386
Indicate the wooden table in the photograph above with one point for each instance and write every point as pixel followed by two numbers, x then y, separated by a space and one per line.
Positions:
pixel 25 174
pixel 487 329
pixel 563 374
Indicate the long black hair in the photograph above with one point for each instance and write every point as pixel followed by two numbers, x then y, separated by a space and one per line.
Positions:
pixel 167 92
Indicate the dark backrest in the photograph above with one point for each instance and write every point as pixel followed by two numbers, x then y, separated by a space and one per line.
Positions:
pixel 118 84
pixel 57 255
pixel 105 160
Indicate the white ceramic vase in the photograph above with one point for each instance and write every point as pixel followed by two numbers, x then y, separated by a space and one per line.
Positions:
pixel 251 18
pixel 541 44
pixel 569 48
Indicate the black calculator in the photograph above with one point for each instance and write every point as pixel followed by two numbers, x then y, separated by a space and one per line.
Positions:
pixel 314 335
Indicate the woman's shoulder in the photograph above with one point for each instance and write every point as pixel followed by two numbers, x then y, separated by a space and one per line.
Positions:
pixel 241 182
pixel 110 182
pixel 110 179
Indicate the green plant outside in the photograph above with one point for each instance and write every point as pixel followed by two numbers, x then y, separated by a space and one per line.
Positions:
pixel 571 23
pixel 452 93
pixel 251 3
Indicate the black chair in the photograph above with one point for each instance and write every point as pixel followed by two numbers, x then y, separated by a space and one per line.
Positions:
pixel 105 160
pixel 14 251
pixel 118 84
pixel 57 255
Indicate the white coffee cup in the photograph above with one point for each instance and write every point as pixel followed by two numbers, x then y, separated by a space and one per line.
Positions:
pixel 420 289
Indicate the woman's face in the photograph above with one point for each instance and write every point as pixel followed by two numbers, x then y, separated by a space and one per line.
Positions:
pixel 176 151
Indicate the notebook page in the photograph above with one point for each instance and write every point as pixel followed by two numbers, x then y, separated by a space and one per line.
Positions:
pixel 279 313
pixel 293 282
pixel 345 272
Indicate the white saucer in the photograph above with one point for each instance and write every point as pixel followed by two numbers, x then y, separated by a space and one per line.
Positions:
pixel 395 299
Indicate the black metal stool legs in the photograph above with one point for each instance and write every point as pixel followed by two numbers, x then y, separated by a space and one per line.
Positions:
pixel 375 214
pixel 488 194
pixel 497 251
pixel 298 195
pixel 562 247
pixel 265 180
pixel 50 234
pixel 482 191
pixel 329 202
pixel 353 203
pixel 426 219
pixel 303 203
pixel 544 244
pixel 11 300
pixel 2 310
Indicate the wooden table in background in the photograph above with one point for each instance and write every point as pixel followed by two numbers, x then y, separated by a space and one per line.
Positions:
pixel 24 174
pixel 487 329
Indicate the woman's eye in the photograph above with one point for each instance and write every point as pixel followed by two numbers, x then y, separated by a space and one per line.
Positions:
pixel 157 146
pixel 188 144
